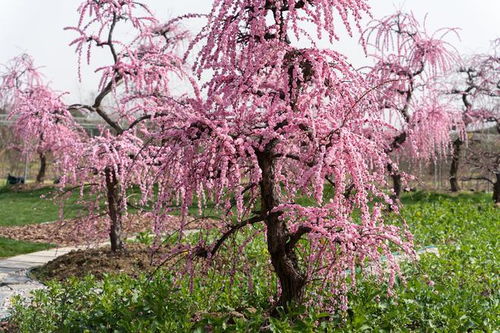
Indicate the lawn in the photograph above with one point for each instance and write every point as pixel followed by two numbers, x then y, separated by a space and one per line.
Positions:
pixel 457 291
pixel 10 247
pixel 21 207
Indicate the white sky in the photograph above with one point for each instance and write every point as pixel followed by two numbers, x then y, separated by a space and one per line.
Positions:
pixel 36 27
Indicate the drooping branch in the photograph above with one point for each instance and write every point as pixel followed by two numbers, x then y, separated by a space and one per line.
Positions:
pixel 203 252
pixel 296 236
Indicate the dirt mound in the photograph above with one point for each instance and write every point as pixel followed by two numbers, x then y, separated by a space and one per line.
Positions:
pixel 135 259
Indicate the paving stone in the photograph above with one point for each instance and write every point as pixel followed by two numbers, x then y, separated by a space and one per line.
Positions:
pixel 13 266
pixel 4 293
pixel 15 279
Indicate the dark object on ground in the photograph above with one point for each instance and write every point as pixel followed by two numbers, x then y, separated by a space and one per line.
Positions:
pixel 11 180
pixel 57 180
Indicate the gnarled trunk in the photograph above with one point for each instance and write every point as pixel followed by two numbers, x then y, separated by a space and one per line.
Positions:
pixel 455 162
pixel 40 177
pixel 115 210
pixel 496 189
pixel 283 258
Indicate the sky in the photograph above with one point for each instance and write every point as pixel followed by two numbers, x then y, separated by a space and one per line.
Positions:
pixel 36 27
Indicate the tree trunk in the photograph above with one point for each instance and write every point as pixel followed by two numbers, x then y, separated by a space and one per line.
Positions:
pixel 396 182
pixel 40 177
pixel 496 189
pixel 115 210
pixel 397 185
pixel 283 258
pixel 455 162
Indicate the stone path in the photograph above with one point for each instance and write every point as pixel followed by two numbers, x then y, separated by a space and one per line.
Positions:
pixel 14 270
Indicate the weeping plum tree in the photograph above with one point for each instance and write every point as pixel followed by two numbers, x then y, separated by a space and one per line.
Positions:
pixel 135 83
pixel 276 122
pixel 41 121
pixel 408 61
pixel 476 84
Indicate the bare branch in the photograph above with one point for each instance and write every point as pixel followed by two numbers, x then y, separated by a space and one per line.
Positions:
pixel 465 179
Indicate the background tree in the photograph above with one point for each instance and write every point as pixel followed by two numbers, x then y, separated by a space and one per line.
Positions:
pixel 278 122
pixel 408 62
pixel 484 160
pixel 113 161
pixel 478 88
pixel 136 81
pixel 40 122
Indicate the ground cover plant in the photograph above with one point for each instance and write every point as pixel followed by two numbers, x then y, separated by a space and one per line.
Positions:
pixel 457 290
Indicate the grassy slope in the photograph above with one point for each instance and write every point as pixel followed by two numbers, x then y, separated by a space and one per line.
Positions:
pixel 454 292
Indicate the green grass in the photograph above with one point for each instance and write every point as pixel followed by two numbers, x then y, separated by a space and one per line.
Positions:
pixel 10 247
pixel 28 207
pixel 457 291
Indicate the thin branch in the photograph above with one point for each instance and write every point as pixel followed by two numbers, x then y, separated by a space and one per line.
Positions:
pixel 245 190
pixel 97 106
pixel 70 189
pixel 110 38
